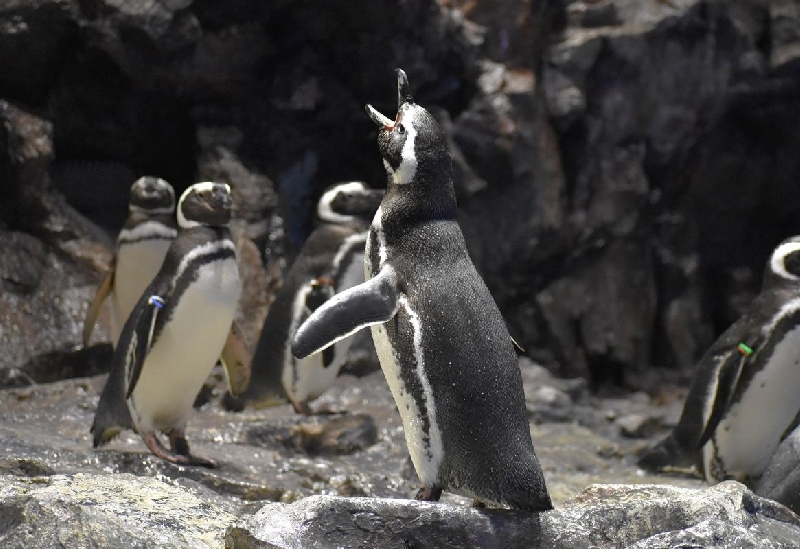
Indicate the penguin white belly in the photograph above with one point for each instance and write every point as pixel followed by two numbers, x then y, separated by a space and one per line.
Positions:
pixel 187 348
pixel 426 457
pixel 750 432
pixel 137 265
pixel 313 378
pixel 306 379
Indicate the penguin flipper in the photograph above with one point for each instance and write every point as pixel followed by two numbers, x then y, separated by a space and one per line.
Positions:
pixel 99 297
pixel 136 339
pixel 236 360
pixel 373 302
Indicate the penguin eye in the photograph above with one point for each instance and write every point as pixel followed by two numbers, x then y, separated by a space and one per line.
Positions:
pixel 401 129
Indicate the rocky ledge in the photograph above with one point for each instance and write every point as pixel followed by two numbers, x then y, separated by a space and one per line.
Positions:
pixel 340 479
pixel 126 511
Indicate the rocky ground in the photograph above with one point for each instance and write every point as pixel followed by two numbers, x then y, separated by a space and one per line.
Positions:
pixel 356 449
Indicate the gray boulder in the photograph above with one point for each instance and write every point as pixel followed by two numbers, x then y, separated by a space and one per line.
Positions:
pixel 109 512
pixel 641 516
pixel 781 478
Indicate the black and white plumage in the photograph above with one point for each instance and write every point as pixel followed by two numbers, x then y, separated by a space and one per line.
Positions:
pixel 441 340
pixel 176 331
pixel 330 261
pixel 744 395
pixel 141 246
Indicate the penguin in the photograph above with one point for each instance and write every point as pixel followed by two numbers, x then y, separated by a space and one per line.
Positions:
pixel 442 343
pixel 141 246
pixel 743 399
pixel 177 330
pixel 330 261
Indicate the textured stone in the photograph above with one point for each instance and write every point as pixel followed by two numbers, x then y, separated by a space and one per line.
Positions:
pixel 645 517
pixel 781 478
pixel 109 511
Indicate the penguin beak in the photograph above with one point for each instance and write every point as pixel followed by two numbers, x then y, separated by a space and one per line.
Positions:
pixel 403 91
pixel 222 195
pixel 403 97
pixel 382 121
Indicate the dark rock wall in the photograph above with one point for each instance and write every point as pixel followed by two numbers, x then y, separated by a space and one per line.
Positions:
pixel 623 167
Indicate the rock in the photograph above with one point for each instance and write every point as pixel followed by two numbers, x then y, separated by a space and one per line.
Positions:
pixel 638 425
pixel 66 511
pixel 37 37
pixel 46 292
pixel 645 516
pixel 67 364
pixel 318 436
pixel 781 478
pixel 785 36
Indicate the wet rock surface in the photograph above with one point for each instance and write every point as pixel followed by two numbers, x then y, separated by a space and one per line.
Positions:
pixel 644 516
pixel 275 455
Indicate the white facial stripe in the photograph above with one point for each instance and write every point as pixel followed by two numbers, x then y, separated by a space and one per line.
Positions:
pixel 198 187
pixel 146 231
pixel 349 243
pixel 408 163
pixel 377 224
pixel 208 248
pixel 324 210
pixel 779 255
pixel 435 452
pixel 788 308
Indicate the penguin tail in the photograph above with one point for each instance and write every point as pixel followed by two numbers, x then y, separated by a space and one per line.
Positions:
pixel 666 453
pixel 103 435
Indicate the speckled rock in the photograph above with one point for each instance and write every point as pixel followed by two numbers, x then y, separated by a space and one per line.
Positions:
pixel 645 516
pixel 110 512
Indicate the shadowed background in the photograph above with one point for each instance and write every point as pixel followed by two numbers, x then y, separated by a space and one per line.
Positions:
pixel 623 168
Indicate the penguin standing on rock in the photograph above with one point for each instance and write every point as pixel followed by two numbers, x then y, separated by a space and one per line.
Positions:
pixel 330 261
pixel 443 345
pixel 176 331
pixel 141 246
pixel 744 398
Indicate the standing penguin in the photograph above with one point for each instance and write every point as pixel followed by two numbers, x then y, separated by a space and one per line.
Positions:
pixel 330 261
pixel 141 246
pixel 176 331
pixel 744 396
pixel 442 343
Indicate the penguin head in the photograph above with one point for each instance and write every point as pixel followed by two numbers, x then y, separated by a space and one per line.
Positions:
pixel 152 195
pixel 207 203
pixel 347 202
pixel 413 144
pixel 784 263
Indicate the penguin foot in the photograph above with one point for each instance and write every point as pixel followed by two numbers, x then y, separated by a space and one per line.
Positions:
pixel 432 493
pixel 302 408
pixel 154 445
pixel 180 446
